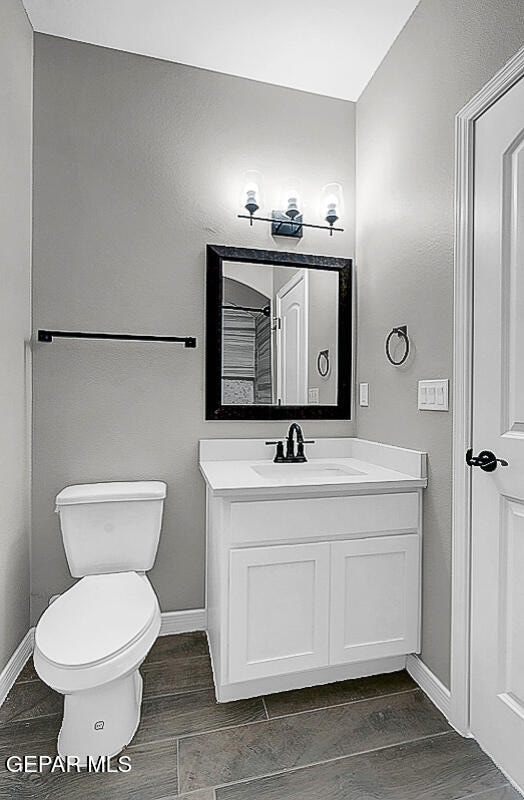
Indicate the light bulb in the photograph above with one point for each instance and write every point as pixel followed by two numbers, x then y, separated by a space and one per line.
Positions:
pixel 292 205
pixel 251 192
pixel 331 209
pixel 290 202
pixel 331 203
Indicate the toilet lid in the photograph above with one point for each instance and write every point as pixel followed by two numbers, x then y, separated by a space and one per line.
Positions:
pixel 97 618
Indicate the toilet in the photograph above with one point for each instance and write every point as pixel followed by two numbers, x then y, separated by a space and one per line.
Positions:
pixel 91 640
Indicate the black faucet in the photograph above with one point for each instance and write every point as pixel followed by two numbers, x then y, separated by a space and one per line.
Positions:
pixel 292 457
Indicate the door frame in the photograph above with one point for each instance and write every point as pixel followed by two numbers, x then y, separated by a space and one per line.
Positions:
pixel 300 275
pixel 461 577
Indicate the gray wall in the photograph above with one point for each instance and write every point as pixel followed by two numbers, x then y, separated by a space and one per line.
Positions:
pixel 405 157
pixel 16 67
pixel 139 164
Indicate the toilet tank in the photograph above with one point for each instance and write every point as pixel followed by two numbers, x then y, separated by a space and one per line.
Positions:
pixel 111 527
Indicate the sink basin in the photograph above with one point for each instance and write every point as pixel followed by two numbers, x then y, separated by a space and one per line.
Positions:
pixel 287 472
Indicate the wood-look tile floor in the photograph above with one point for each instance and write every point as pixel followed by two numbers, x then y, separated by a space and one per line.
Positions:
pixel 370 739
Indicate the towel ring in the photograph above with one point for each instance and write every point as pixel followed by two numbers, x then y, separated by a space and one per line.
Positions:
pixel 402 332
pixel 323 364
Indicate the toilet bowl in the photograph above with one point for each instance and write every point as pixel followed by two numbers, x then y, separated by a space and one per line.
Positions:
pixel 90 642
pixel 88 646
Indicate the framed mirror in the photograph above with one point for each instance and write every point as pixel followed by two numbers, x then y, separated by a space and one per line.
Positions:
pixel 278 335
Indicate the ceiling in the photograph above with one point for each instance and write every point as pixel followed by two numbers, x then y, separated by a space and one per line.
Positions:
pixel 330 48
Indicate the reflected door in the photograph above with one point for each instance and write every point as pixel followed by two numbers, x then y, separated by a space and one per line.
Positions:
pixel 292 348
pixel 497 655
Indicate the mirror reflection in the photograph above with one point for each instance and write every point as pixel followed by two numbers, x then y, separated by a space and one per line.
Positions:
pixel 279 335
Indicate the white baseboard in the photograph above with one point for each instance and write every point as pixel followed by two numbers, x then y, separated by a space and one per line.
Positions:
pixel 439 695
pixel 183 621
pixel 16 663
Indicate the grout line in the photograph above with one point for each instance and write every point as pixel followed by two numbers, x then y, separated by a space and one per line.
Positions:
pixel 42 741
pixel 223 728
pixel 170 662
pixel 265 707
pixel 188 735
pixel 177 693
pixel 21 720
pixel 284 716
pixel 326 761
pixel 151 742
pixel 147 663
pixel 24 681
pixel 346 703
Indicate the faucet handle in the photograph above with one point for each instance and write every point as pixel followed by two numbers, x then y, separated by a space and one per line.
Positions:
pixel 279 455
pixel 300 456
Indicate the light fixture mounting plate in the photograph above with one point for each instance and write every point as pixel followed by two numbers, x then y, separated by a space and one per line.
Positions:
pixel 282 225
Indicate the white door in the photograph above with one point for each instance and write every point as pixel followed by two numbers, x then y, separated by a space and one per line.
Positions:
pixel 497 655
pixel 278 610
pixel 292 341
pixel 374 598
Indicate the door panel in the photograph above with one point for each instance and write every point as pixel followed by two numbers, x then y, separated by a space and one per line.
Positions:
pixel 497 597
pixel 374 598
pixel 511 673
pixel 292 349
pixel 512 288
pixel 279 607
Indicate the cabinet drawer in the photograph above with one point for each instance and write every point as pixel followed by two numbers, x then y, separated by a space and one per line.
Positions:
pixel 286 520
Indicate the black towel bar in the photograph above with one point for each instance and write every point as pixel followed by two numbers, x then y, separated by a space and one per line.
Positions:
pixel 48 336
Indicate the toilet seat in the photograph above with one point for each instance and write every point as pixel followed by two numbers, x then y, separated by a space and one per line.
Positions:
pixel 100 628
pixel 100 616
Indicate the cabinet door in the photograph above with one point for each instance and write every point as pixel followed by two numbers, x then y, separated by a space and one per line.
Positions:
pixel 375 598
pixel 278 610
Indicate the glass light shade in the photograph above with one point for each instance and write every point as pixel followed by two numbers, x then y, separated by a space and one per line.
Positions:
pixel 251 196
pixel 290 199
pixel 331 203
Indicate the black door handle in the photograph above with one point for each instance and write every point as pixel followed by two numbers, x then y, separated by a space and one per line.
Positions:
pixel 486 460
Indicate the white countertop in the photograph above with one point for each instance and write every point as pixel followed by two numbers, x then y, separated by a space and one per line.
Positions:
pixel 233 475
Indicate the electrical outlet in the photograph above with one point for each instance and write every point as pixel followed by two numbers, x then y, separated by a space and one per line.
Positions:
pixel 314 397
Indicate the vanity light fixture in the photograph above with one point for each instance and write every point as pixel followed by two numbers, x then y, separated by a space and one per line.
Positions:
pixel 290 222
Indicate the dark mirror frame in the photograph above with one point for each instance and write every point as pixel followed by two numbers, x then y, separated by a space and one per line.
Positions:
pixel 216 255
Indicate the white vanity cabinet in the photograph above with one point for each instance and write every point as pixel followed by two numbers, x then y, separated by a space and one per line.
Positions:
pixel 312 583
pixel 305 606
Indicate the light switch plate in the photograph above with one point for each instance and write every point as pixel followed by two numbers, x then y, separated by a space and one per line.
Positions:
pixel 364 394
pixel 314 396
pixel 433 395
